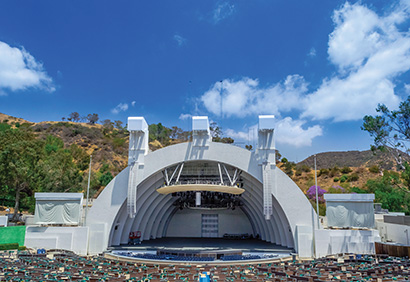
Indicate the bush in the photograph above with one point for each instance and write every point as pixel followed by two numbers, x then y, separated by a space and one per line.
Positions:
pixel 284 160
pixel 22 248
pixel 323 171
pixel 343 178
pixel 334 171
pixel 305 168
pixel 374 169
pixel 9 246
pixel 336 179
pixel 346 169
pixel 353 177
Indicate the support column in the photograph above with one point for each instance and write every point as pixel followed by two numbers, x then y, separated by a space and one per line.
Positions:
pixel 266 152
pixel 138 148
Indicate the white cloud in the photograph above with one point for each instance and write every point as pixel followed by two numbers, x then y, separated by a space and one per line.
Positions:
pixel 369 52
pixel 122 107
pixel 222 11
pixel 184 116
pixel 133 103
pixel 245 97
pixel 291 132
pixel 287 131
pixel 19 70
pixel 180 40
pixel 247 136
pixel 312 52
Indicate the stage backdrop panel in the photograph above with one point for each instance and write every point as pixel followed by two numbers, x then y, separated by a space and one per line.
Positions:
pixel 58 208
pixel 350 210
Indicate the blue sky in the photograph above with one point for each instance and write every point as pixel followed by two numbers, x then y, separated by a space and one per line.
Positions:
pixel 319 66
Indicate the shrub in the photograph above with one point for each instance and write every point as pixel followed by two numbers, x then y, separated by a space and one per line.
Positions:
pixel 305 168
pixel 9 246
pixel 311 193
pixel 334 171
pixel 336 189
pixel 346 169
pixel 22 248
pixel 298 172
pixel 336 179
pixel 374 169
pixel 284 160
pixel 343 178
pixel 353 177
pixel 323 171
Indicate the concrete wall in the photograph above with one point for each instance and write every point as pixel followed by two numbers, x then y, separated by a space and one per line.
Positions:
pixel 69 238
pixel 390 232
pixel 187 223
pixel 329 241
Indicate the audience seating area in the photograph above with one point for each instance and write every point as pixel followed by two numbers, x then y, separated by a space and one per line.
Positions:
pixel 63 267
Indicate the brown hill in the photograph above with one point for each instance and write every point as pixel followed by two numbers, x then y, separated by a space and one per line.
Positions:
pixel 351 159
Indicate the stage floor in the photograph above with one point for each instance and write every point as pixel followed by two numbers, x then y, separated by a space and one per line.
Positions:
pixel 205 244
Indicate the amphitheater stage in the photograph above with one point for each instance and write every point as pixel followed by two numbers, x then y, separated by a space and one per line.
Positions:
pixel 204 245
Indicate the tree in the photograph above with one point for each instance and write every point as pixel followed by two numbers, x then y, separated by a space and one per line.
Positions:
pixel 176 132
pixel 391 131
pixel 20 153
pixel 108 125
pixel 74 116
pixel 92 118
pixel 118 124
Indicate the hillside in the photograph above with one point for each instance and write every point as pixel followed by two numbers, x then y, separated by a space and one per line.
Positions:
pixel 108 145
pixel 350 159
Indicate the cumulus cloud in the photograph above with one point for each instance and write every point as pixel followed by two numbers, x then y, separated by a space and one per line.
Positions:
pixel 180 40
pixel 222 11
pixel 184 116
pixel 122 107
pixel 246 97
pixel 133 103
pixel 369 51
pixel 287 131
pixel 19 70
pixel 291 132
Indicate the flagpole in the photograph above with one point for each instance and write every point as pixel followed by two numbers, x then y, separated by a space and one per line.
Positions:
pixel 88 190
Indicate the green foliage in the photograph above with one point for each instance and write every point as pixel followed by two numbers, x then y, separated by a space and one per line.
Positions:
pixel 390 130
pixel 352 177
pixel 336 179
pixel 9 246
pixel 334 171
pixel 289 168
pixel 389 192
pixel 284 160
pixel 29 164
pixel 105 178
pixel 345 170
pixel 343 178
pixel 159 132
pixel 357 190
pixel 4 126
pixel 323 171
pixel 374 169
pixel 53 144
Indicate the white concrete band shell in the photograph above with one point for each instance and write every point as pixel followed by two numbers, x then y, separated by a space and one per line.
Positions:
pixel 272 207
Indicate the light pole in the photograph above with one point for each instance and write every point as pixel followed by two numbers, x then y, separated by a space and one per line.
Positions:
pixel 88 190
pixel 317 196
